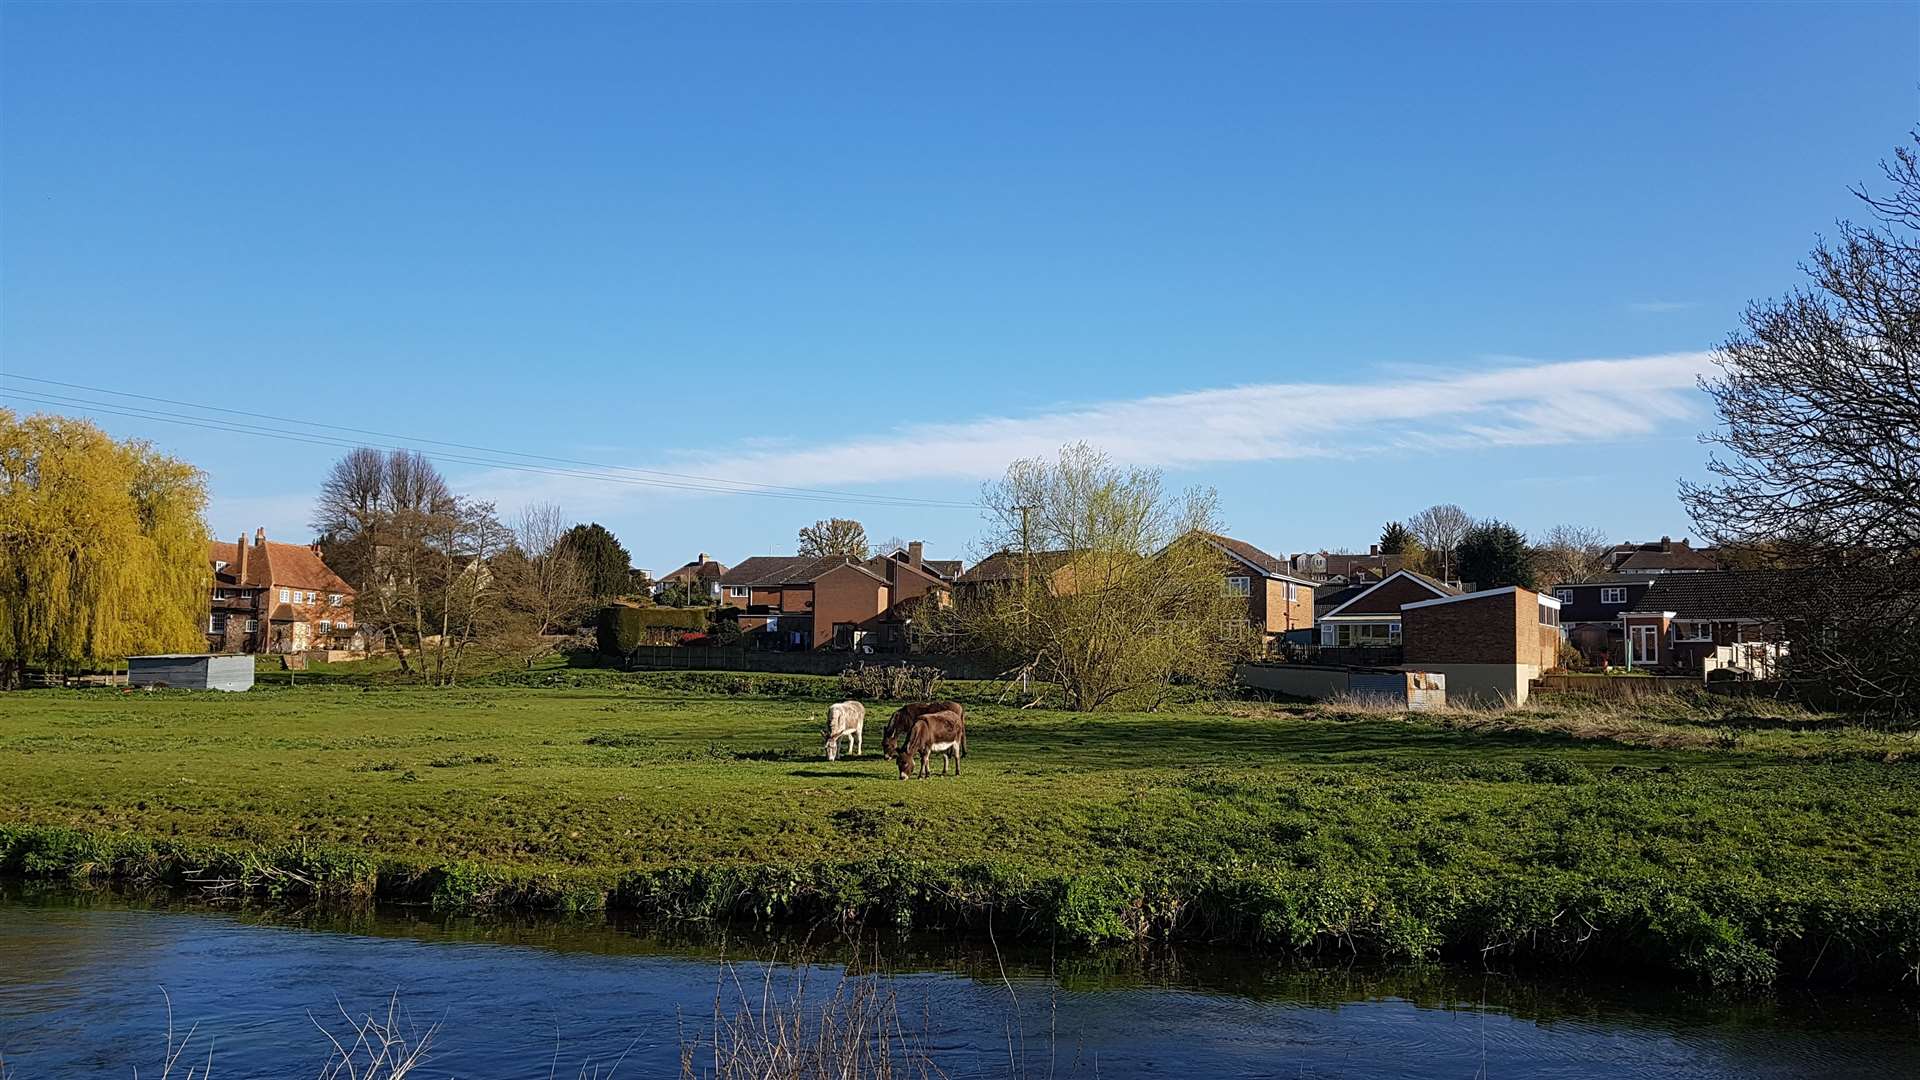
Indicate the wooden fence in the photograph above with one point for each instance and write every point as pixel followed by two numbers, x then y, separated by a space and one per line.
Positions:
pixel 681 658
pixel 1617 687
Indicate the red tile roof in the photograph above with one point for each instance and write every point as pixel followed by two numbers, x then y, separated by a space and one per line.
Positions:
pixel 273 564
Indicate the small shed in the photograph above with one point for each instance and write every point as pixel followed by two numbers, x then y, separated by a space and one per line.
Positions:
pixel 191 671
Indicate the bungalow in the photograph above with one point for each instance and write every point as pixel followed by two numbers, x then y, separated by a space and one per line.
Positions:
pixel 1696 621
pixel 1665 556
pixel 274 597
pixel 1371 617
pixel 1278 602
pixel 702 574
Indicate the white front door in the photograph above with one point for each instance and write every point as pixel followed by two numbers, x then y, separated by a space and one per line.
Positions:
pixel 300 636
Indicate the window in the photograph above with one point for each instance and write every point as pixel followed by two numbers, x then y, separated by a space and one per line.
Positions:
pixel 219 594
pixel 1393 633
pixel 1293 592
pixel 1239 585
pixel 1329 634
pixel 1615 595
pixel 736 590
pixel 1565 595
pixel 286 595
pixel 217 623
pixel 253 625
pixel 333 599
pixel 1549 615
pixel 310 596
pixel 325 625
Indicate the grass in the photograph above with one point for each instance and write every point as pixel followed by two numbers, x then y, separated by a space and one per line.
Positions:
pixel 1743 845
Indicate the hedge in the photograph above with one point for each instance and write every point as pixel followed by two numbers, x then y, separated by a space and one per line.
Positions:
pixel 622 629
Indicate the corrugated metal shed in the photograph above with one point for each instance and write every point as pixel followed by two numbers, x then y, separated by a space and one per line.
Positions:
pixel 191 671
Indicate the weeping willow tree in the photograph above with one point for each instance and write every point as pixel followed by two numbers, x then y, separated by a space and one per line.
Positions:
pixel 103 550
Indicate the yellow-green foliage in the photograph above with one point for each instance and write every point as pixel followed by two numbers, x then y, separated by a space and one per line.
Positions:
pixel 103 550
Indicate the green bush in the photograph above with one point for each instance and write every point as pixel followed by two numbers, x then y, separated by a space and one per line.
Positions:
pixel 621 629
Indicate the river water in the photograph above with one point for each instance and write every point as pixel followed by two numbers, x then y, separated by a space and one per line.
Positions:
pixel 82 979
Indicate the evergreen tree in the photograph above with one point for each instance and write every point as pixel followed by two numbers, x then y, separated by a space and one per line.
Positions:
pixel 1394 539
pixel 1494 554
pixel 605 566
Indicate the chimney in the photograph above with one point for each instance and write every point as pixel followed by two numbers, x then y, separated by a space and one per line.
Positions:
pixel 240 559
pixel 1666 543
pixel 703 558
pixel 915 551
pixel 1373 549
pixel 260 535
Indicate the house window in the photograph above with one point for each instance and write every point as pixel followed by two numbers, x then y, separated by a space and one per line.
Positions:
pixel 217 623
pixel 253 625
pixel 1393 633
pixel 1565 595
pixel 1616 595
pixel 286 595
pixel 333 599
pixel 1549 615
pixel 1293 592
pixel 325 625
pixel 1329 634
pixel 736 590
pixel 1239 585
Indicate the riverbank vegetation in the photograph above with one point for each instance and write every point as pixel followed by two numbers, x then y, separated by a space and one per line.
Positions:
pixel 1739 846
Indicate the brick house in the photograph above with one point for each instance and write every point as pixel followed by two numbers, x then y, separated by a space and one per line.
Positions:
pixel 1693 621
pixel 274 597
pixel 1004 569
pixel 1278 601
pixel 1490 645
pixel 803 602
pixel 1371 616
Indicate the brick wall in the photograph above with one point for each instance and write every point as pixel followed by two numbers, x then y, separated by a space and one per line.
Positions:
pixel 846 595
pixel 1499 628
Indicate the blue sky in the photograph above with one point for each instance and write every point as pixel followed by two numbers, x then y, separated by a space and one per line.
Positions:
pixel 1339 263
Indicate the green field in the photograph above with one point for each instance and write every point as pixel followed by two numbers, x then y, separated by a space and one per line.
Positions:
pixel 1742 849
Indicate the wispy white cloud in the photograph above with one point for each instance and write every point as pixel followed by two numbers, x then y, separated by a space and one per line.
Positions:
pixel 1655 307
pixel 1499 404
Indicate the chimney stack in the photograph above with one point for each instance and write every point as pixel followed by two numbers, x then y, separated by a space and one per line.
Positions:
pixel 703 558
pixel 260 536
pixel 1373 549
pixel 240 559
pixel 915 551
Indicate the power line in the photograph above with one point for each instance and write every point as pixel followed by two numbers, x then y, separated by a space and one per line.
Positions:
pixel 650 478
pixel 743 486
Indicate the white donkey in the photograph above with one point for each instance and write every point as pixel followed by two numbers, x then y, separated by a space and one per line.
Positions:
pixel 847 720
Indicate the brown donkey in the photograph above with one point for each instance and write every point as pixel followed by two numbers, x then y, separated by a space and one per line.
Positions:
pixel 900 724
pixel 942 733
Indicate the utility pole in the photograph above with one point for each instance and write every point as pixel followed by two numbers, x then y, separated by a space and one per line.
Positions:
pixel 1026 589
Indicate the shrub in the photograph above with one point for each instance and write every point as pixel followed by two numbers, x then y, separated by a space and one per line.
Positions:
pixel 891 682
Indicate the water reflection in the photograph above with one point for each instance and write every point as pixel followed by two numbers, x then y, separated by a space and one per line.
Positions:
pixel 80 977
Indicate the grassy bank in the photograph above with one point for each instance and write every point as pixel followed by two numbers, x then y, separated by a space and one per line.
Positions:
pixel 1739 849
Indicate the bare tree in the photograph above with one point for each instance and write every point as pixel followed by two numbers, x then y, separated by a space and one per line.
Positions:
pixel 1569 554
pixel 417 555
pixel 1439 529
pixel 543 587
pixel 834 536
pixel 1118 594
pixel 1819 403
